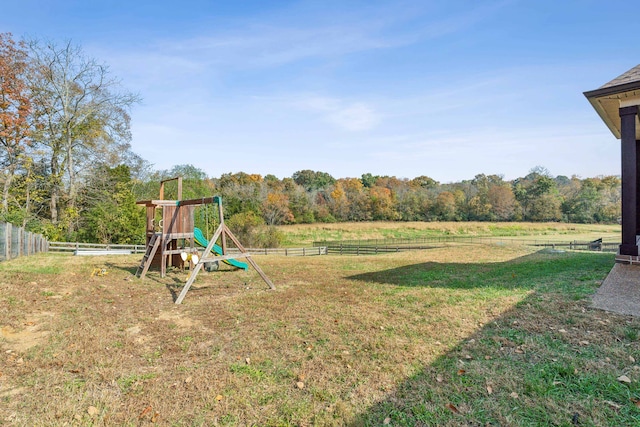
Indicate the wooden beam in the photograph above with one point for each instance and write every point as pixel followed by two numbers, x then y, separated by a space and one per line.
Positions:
pixel 225 257
pixel 201 201
pixel 629 180
pixel 249 259
pixel 157 202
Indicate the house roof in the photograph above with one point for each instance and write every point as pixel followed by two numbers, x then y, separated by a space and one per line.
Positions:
pixel 624 90
pixel 631 76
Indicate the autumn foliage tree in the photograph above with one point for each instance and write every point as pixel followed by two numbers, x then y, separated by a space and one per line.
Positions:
pixel 15 110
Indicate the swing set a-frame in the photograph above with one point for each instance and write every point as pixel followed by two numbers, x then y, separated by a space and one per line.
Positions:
pixel 177 225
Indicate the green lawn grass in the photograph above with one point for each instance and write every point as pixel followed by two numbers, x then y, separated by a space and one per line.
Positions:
pixel 480 335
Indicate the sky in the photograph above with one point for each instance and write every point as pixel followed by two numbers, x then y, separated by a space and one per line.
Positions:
pixel 448 89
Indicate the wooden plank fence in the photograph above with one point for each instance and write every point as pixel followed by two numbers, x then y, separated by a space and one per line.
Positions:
pixel 16 241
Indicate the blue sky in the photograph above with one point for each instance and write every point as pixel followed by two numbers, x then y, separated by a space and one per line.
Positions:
pixel 447 89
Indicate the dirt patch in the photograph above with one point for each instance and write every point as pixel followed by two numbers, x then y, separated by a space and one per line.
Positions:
pixel 177 318
pixel 32 334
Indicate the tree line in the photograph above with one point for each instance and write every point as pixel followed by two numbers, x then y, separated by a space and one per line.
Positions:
pixel 68 171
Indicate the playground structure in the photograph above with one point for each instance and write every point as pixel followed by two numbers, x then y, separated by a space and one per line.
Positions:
pixel 171 242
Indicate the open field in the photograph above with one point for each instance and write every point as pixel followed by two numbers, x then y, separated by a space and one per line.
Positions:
pixel 306 234
pixel 460 335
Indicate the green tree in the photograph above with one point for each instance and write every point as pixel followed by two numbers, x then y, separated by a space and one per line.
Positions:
pixel 112 215
pixel 312 180
pixel 445 206
pixel 538 196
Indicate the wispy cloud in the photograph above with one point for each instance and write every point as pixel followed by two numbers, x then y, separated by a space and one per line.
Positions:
pixel 353 116
pixel 273 41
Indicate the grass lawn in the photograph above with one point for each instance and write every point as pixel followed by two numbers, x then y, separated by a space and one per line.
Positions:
pixel 306 234
pixel 460 335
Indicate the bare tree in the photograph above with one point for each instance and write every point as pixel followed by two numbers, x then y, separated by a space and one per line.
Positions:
pixel 82 116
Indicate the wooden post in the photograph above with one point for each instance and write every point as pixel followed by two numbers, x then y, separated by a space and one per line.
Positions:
pixel 629 151
pixel 223 240
pixel 7 241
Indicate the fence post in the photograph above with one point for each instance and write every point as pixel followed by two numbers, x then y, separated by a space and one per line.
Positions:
pixel 7 241
pixel 20 241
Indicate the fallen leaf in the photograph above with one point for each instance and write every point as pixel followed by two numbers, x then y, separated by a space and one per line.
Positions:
pixel 624 379
pixel 29 323
pixel 219 397
pixel 248 361
pixel 386 421
pixel 514 395
pixel 439 378
pixel 489 389
pixel 155 417
pixel 461 371
pixel 300 385
pixel 452 408
pixel 584 342
pixel 188 380
pixel 144 412
pixel 631 359
pixel 564 331
pixel 468 357
pixel 301 377
pixel 93 411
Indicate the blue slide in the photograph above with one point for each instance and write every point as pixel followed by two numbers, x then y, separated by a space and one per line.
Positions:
pixel 204 242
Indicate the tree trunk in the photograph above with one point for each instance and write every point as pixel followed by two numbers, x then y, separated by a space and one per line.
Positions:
pixel 55 190
pixel 73 189
pixel 5 191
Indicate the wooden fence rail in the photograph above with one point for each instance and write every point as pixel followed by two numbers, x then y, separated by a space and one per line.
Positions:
pixel 379 246
pixel 77 246
pixel 16 241
pixel 137 249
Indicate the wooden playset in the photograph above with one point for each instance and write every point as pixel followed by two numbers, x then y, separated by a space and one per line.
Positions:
pixel 171 242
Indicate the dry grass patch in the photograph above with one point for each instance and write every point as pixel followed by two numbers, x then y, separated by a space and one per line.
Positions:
pixel 306 234
pixel 343 340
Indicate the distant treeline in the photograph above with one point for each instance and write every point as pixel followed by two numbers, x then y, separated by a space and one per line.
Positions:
pixel 313 196
pixel 67 170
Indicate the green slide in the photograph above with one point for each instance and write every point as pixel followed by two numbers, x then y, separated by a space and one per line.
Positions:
pixel 203 241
